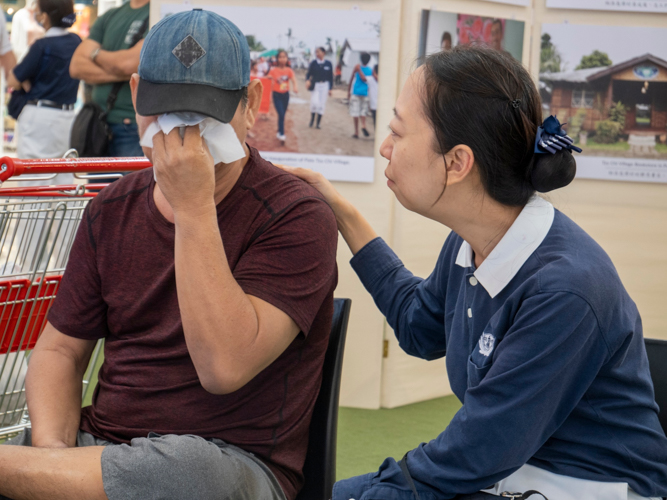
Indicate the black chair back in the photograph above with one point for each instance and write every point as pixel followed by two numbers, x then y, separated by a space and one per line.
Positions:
pixel 657 360
pixel 320 466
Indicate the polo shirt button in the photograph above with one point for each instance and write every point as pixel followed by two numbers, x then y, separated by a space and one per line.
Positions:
pixel 473 280
pixel 469 313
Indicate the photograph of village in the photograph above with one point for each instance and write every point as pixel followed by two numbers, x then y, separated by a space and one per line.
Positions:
pixel 292 51
pixel 609 84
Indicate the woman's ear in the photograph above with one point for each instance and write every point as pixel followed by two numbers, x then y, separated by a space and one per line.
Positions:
pixel 459 162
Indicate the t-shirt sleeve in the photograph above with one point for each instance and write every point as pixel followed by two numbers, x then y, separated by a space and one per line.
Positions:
pixel 291 74
pixel 29 66
pixel 79 309
pixel 97 30
pixel 414 307
pixel 292 264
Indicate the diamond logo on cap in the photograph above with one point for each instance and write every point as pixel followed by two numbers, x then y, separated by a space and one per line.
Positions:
pixel 188 51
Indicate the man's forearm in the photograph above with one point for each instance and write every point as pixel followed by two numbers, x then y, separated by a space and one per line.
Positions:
pixel 53 390
pixel 84 69
pixel 123 63
pixel 204 282
pixel 8 61
pixel 28 473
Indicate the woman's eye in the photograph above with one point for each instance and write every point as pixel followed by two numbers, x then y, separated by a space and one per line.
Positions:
pixel 391 131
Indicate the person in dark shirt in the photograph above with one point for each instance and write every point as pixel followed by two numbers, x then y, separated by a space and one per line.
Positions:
pixel 212 285
pixel 320 82
pixel 542 342
pixel 107 56
pixel 43 127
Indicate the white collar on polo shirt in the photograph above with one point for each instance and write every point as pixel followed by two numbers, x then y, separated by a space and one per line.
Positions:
pixel 513 250
pixel 54 31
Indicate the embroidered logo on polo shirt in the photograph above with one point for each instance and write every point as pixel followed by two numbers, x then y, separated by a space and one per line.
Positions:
pixel 486 343
pixel 188 51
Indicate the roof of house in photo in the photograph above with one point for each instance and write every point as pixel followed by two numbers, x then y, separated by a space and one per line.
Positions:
pixel 591 74
pixel 371 45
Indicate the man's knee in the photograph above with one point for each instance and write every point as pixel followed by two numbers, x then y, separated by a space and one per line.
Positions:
pixel 179 467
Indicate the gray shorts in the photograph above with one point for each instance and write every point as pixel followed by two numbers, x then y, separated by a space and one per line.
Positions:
pixel 178 467
pixel 358 105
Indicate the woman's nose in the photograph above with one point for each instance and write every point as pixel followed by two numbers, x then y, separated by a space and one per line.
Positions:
pixel 386 147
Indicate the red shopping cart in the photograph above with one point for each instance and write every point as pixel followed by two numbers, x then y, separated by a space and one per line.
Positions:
pixel 37 228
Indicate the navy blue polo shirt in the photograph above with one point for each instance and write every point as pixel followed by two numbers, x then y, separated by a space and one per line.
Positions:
pixel 320 72
pixel 46 65
pixel 543 347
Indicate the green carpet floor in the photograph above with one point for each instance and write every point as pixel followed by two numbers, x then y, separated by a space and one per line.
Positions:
pixel 367 437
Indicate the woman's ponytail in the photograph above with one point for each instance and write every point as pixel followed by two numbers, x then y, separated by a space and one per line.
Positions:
pixel 552 171
pixel 486 99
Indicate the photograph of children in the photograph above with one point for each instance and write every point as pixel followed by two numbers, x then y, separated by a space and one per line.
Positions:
pixel 612 94
pixel 319 70
pixel 444 30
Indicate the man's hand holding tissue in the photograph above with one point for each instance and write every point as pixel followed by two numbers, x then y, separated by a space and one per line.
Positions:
pixel 185 171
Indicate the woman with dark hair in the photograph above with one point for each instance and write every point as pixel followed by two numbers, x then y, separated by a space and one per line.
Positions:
pixel 543 344
pixel 319 79
pixel 281 75
pixel 446 41
pixel 44 125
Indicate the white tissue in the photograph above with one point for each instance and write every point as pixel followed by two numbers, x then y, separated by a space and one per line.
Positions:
pixel 220 138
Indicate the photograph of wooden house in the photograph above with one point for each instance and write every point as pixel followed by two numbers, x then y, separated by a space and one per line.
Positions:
pixel 612 94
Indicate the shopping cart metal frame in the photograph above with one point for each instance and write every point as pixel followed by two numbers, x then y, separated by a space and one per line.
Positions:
pixel 37 229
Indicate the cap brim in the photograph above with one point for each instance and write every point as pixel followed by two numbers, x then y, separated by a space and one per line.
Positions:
pixel 160 98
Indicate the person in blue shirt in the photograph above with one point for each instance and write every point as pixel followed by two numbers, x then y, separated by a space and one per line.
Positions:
pixel 543 344
pixel 44 125
pixel 357 94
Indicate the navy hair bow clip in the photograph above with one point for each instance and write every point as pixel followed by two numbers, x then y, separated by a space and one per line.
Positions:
pixel 551 138
pixel 69 19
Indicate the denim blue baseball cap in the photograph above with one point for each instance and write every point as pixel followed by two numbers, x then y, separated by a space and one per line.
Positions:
pixel 194 61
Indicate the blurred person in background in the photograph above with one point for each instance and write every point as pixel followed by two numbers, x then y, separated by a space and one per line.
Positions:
pixel 281 75
pixel 44 125
pixel 373 93
pixel 107 57
pixel 498 35
pixel 262 67
pixel 319 80
pixel 446 41
pixel 357 94
pixel 25 29
pixel 7 58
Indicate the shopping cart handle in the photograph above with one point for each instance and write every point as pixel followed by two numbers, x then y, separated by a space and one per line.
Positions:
pixel 12 167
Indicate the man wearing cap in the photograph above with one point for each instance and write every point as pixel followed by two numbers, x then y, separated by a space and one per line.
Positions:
pixel 212 285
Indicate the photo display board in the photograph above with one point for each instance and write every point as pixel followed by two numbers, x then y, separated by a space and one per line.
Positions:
pixel 347 38
pixel 613 5
pixel 522 3
pixel 609 84
pixel 444 30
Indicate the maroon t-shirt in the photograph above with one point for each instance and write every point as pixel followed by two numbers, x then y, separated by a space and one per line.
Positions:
pixel 280 239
